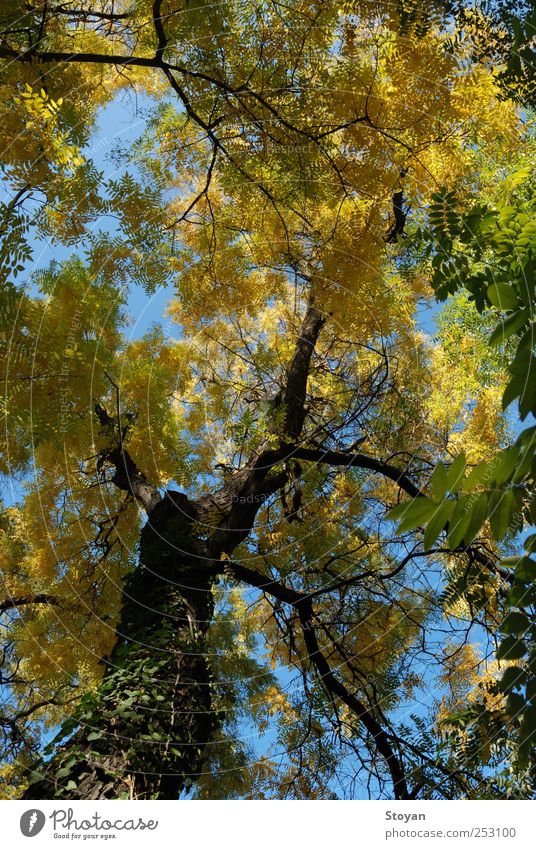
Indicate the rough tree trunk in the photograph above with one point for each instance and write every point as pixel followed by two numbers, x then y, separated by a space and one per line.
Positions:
pixel 142 735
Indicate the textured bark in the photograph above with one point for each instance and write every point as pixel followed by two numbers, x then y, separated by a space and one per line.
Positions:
pixel 295 391
pixel 143 734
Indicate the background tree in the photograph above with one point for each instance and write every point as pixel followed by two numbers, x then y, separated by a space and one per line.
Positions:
pixel 201 543
pixel 502 33
pixel 489 251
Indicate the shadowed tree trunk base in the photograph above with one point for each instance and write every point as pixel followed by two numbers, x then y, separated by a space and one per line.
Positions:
pixel 143 733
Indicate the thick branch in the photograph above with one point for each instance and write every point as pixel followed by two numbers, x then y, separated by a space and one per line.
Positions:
pixel 399 215
pixel 255 579
pixel 22 600
pixel 303 605
pixel 296 389
pixel 90 13
pixel 363 461
pixel 128 477
pixel 83 58
pixel 346 459
pixel 159 29
pixel 241 498
pixel 337 688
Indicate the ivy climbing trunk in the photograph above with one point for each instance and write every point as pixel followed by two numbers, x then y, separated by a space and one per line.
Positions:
pixel 143 733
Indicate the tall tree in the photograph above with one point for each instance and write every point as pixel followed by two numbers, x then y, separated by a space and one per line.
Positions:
pixel 203 508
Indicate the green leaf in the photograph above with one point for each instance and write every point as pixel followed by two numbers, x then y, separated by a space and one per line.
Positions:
pixel 524 751
pixel 419 511
pixel 456 472
pixel 411 513
pixel 518 594
pixel 530 689
pixel 515 703
pixel 438 482
pixel 513 390
pixel 511 561
pixel 437 523
pixel 503 296
pixel 530 543
pixel 478 515
pixel 515 623
pixel 95 735
pixel 527 399
pixel 65 770
pixel 527 731
pixel 508 327
pixel 512 677
pixel 526 569
pixel 523 466
pixel 502 507
pixel 511 649
pixel 532 510
pixel 397 512
pixel 475 476
pixel 505 464
pixel 460 521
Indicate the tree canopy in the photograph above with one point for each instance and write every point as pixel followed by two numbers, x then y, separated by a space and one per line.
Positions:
pixel 276 546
